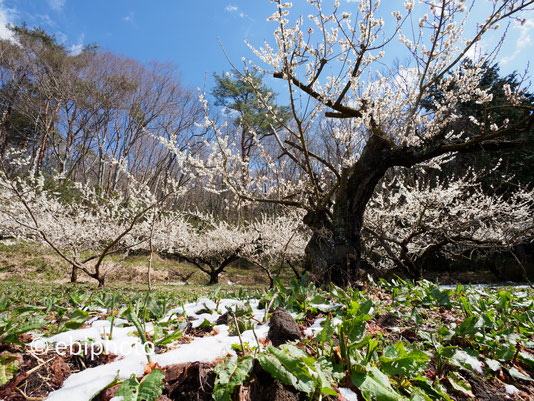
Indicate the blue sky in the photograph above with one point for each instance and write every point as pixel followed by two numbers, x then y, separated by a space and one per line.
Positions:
pixel 179 31
pixel 185 31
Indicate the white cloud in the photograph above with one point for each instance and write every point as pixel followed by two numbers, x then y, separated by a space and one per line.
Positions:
pixel 73 49
pixel 234 9
pixel 6 17
pixel 77 48
pixel 61 38
pixel 56 5
pixel 129 17
pixel 45 19
pixel 524 37
pixel 475 52
pixel 524 41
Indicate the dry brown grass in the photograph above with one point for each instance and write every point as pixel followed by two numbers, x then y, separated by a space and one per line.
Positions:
pixel 38 262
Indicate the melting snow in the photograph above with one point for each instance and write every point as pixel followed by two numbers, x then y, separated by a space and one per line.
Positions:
pixel 316 327
pixel 84 385
pixel 347 394
pixel 511 389
pixel 474 363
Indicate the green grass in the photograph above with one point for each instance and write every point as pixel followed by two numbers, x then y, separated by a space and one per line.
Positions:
pixel 392 340
pixel 24 260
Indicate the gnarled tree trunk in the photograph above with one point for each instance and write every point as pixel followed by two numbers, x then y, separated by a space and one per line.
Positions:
pixel 333 254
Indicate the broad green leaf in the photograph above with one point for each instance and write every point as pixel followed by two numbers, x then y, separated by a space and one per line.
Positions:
pixel 466 306
pixel 148 389
pixel 78 318
pixel 325 373
pixel 374 385
pixel 431 391
pixel 243 324
pixel 354 330
pixel 289 370
pixel 151 386
pixel 445 334
pixel 505 352
pixel 526 358
pixel 425 336
pixel 459 384
pixel 156 312
pixel 419 395
pixel 206 324
pixel 396 360
pixel 329 391
pixel 514 372
pixel 4 303
pixel 470 326
pixel 230 374
pixel 372 346
pixel 530 317
pixel 294 351
pixel 466 361
pixel 443 298
pixel 366 307
pixel 17 326
pixel 390 352
pixel 25 309
pixel 9 365
pixel 353 309
pixel 416 317
pixel 242 310
pixel 129 389
pixel 325 335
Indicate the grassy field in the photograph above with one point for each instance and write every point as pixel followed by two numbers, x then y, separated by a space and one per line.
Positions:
pixel 392 340
pixel 29 261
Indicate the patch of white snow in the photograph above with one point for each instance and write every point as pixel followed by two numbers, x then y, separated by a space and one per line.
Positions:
pixel 511 389
pixel 347 394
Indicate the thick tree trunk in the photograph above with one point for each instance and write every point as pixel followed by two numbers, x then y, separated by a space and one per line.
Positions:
pixel 330 260
pixel 214 278
pixel 74 274
pixel 334 251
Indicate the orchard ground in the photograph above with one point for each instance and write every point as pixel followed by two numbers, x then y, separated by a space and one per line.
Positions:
pixel 34 263
pixel 38 263
pixel 392 340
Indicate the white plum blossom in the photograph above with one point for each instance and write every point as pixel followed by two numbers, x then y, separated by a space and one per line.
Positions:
pixel 83 227
pixel 414 216
pixel 356 116
pixel 212 245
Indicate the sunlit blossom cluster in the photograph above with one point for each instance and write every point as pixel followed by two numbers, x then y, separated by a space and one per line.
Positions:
pixel 335 55
pixel 414 216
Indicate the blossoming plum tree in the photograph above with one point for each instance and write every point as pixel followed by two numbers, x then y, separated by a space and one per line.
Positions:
pixel 278 240
pixel 411 218
pixel 212 245
pixel 335 64
pixel 84 231
pixel 209 244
